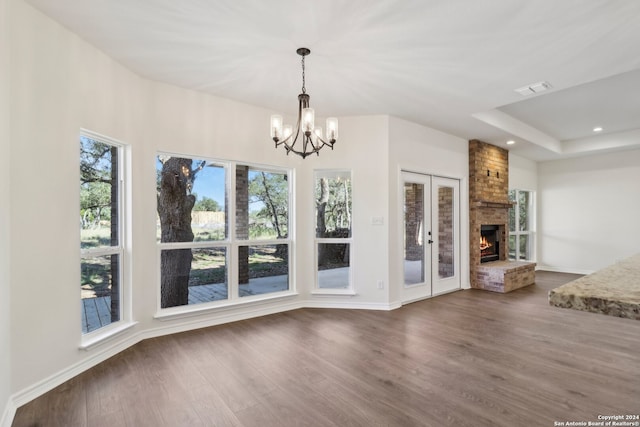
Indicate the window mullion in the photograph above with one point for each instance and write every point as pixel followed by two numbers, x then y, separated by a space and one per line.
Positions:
pixel 232 270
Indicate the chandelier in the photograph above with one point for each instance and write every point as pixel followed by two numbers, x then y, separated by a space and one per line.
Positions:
pixel 312 140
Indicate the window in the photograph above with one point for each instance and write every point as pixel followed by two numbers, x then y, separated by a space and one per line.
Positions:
pixel 101 231
pixel 192 230
pixel 218 223
pixel 262 219
pixel 521 225
pixel 333 230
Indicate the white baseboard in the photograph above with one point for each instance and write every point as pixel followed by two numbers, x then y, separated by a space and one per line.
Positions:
pixel 563 270
pixel 351 305
pixel 102 352
pixel 110 349
pixel 8 414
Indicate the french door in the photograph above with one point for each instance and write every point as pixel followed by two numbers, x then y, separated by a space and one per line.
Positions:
pixel 431 235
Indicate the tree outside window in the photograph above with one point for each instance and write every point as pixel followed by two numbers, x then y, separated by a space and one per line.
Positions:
pixel 101 250
pixel 333 196
pixel 521 233
pixel 196 213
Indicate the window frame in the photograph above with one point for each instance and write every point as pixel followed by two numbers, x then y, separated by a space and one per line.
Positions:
pixel 317 241
pixel 122 249
pixel 249 242
pixel 231 243
pixel 517 233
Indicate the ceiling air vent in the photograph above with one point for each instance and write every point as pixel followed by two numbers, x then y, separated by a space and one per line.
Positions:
pixel 533 88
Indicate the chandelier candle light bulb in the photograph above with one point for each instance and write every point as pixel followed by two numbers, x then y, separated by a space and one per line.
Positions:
pixel 311 136
pixel 276 126
pixel 308 120
pixel 288 130
pixel 332 128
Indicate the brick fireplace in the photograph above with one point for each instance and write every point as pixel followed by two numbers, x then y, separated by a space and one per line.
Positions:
pixel 489 206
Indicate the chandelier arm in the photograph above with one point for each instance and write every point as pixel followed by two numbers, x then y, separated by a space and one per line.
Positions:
pixel 329 144
pixel 315 147
pixel 291 147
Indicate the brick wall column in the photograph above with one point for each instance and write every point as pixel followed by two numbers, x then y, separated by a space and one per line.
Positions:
pixel 488 198
pixel 242 221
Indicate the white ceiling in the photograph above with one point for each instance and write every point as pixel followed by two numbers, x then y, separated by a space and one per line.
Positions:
pixel 452 65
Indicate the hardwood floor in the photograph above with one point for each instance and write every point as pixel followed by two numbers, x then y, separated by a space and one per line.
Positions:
pixel 471 358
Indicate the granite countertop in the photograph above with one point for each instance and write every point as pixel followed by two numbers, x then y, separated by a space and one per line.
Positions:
pixel 614 290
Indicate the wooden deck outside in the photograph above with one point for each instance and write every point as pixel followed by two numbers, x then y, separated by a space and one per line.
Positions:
pixel 96 312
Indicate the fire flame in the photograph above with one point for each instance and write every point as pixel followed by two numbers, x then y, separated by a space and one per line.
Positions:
pixel 484 244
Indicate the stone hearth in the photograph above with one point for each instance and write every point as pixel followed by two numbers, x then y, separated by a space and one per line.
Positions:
pixel 505 276
pixel 489 205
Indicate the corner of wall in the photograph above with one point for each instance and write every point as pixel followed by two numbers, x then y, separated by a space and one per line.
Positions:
pixel 8 414
pixel 7 409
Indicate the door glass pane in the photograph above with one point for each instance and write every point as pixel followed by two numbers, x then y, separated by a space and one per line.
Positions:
pixel 333 265
pixel 445 232
pixel 413 233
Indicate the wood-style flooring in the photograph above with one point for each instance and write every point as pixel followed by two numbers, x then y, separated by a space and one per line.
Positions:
pixel 471 358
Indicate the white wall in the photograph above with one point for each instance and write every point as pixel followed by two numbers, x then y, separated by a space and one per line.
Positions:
pixel 419 149
pixel 523 173
pixel 362 148
pixel 60 84
pixel 5 177
pixel 588 211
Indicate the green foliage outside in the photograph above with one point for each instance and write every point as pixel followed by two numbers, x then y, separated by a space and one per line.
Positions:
pixel 523 203
pixel 207 204
pixel 95 193
pixel 95 277
pixel 269 205
pixel 337 211
pixel 208 267
pixel 523 210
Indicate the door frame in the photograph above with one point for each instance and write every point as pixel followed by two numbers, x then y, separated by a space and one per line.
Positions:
pixel 428 288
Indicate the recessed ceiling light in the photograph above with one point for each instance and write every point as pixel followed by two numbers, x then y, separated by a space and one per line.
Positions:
pixel 511 142
pixel 597 129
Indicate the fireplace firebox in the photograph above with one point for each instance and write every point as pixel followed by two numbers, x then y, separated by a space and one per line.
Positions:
pixel 489 243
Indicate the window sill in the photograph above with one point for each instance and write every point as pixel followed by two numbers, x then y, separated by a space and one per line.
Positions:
pixel 98 337
pixel 206 308
pixel 324 292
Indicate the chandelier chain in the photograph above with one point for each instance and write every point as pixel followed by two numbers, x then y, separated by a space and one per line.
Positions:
pixel 304 90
